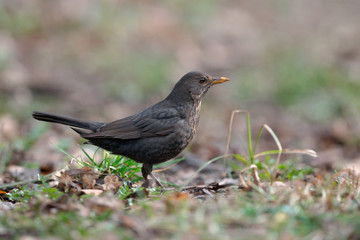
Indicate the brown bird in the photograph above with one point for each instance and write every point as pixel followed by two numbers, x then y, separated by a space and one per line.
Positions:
pixel 155 135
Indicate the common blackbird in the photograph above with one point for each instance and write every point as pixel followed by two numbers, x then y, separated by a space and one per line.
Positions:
pixel 155 135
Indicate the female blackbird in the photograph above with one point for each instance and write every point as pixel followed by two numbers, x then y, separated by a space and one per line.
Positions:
pixel 156 134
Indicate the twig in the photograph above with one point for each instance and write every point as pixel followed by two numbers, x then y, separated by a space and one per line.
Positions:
pixel 15 184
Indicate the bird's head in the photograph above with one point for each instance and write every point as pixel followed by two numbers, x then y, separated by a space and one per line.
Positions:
pixel 196 84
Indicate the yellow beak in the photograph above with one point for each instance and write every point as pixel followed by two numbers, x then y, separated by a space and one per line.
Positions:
pixel 217 80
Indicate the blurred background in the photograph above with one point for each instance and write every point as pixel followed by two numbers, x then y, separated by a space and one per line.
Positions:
pixel 294 65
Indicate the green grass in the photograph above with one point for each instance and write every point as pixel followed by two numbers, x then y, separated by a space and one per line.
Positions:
pixel 122 166
pixel 269 168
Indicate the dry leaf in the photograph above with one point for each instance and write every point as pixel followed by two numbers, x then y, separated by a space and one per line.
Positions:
pixel 66 184
pixel 88 177
pixel 112 183
pixel 64 181
pixel 88 180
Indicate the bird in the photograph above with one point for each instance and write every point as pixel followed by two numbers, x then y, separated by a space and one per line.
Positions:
pixel 154 135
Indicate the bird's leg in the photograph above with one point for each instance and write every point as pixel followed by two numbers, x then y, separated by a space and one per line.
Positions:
pixel 156 180
pixel 146 182
pixel 146 171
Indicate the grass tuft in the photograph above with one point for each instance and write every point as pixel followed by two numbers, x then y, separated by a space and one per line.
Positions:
pixel 253 157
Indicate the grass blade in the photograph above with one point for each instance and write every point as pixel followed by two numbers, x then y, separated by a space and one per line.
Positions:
pixel 279 153
pixel 257 140
pixel 87 155
pixel 230 130
pixel 240 158
pixel 64 152
pixel 309 152
pixel 248 124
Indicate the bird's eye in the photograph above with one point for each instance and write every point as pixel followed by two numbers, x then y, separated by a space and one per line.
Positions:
pixel 202 80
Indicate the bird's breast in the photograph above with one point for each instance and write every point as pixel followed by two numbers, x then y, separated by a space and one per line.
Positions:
pixel 194 117
pixel 187 126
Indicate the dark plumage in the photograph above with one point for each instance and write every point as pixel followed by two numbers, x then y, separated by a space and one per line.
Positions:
pixel 155 135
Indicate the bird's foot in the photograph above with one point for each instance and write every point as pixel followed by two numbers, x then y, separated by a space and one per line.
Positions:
pixel 146 171
pixel 156 180
pixel 147 183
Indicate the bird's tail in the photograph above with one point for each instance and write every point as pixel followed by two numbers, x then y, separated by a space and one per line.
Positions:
pixel 69 121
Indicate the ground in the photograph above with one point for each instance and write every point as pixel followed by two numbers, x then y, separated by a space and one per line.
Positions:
pixel 293 66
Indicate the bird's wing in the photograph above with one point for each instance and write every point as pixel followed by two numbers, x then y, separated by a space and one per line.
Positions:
pixel 153 123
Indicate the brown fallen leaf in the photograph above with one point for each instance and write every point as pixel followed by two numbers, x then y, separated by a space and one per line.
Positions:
pixel 88 181
pixel 88 177
pixel 112 183
pixel 65 182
